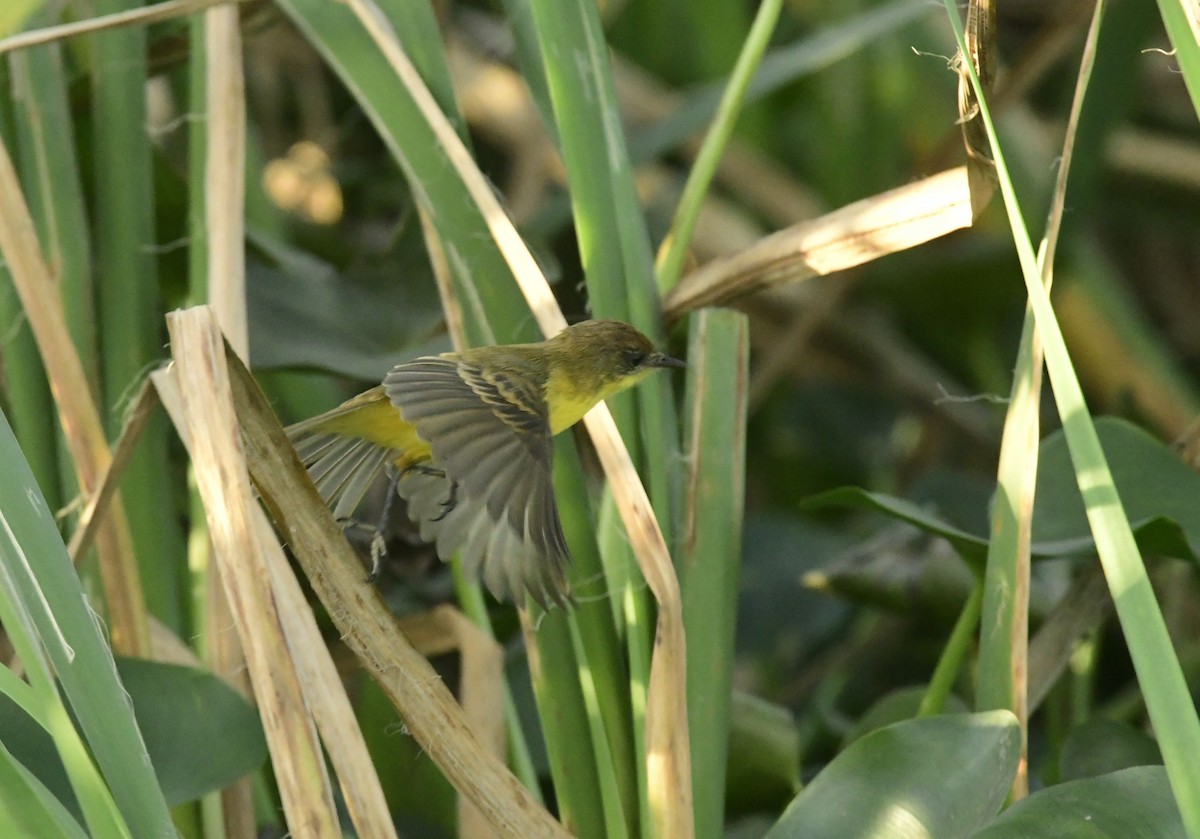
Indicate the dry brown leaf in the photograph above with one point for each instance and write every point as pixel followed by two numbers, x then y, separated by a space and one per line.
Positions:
pixel 853 235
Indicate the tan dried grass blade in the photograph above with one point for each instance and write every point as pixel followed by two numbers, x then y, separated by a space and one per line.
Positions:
pixel 856 234
pixel 224 243
pixel 136 419
pixel 319 679
pixel 430 713
pixel 241 549
pixel 981 43
pixel 444 630
pixel 141 16
pixel 80 419
pixel 225 173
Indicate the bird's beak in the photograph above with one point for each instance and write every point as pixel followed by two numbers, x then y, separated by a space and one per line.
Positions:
pixel 660 360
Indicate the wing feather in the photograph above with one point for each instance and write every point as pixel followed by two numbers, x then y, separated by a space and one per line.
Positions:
pixel 342 468
pixel 489 432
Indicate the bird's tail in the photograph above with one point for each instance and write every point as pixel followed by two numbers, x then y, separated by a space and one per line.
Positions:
pixel 343 468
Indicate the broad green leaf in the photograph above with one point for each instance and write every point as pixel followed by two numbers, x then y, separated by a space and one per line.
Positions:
pixel 896 706
pixel 53 626
pixel 969 545
pixel 1100 746
pixel 28 807
pixel 938 777
pixel 306 313
pixel 1155 486
pixel 763 770
pixel 1130 804
pixel 200 733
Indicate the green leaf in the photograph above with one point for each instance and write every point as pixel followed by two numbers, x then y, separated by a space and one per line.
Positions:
pixel 1155 486
pixel 53 627
pixel 1157 489
pixel 1179 18
pixel 305 313
pixel 710 557
pixel 1130 804
pixel 200 733
pixel 1160 675
pixel 763 758
pixel 937 777
pixel 1100 746
pixel 970 546
pixel 896 706
pixel 29 746
pixel 29 808
pixel 14 13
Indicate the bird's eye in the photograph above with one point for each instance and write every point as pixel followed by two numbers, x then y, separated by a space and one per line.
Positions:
pixel 635 357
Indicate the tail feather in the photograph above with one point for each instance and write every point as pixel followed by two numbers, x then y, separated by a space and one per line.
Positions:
pixel 343 468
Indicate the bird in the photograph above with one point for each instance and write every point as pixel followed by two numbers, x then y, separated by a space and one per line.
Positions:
pixel 466 439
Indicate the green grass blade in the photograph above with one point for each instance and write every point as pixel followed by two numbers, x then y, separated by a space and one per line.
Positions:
pixel 567 729
pixel 711 544
pixel 54 187
pixel 1182 21
pixel 670 264
pixel 780 67
pixel 417 27
pixel 1167 697
pixel 27 394
pixel 15 13
pixel 615 255
pixel 128 307
pixel 197 141
pixel 614 245
pixel 31 809
pixel 601 649
pixel 471 601
pixel 955 652
pixel 1003 644
pixel 46 610
pixel 50 171
pixel 615 251
pixel 620 805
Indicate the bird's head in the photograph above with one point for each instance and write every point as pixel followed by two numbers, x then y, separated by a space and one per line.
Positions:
pixel 607 356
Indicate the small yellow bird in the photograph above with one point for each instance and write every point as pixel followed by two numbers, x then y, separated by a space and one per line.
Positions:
pixel 466 439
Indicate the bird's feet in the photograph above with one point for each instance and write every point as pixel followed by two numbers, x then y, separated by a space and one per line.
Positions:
pixel 378 554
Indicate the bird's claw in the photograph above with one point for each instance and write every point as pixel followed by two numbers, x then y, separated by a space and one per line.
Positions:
pixel 449 504
pixel 378 553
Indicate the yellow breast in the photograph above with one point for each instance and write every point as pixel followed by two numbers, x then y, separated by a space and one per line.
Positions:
pixel 568 402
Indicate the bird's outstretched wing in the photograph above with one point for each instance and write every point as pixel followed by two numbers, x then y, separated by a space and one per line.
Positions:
pixel 488 488
pixel 343 466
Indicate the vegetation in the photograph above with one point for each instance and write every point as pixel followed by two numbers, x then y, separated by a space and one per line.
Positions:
pixel 855 573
